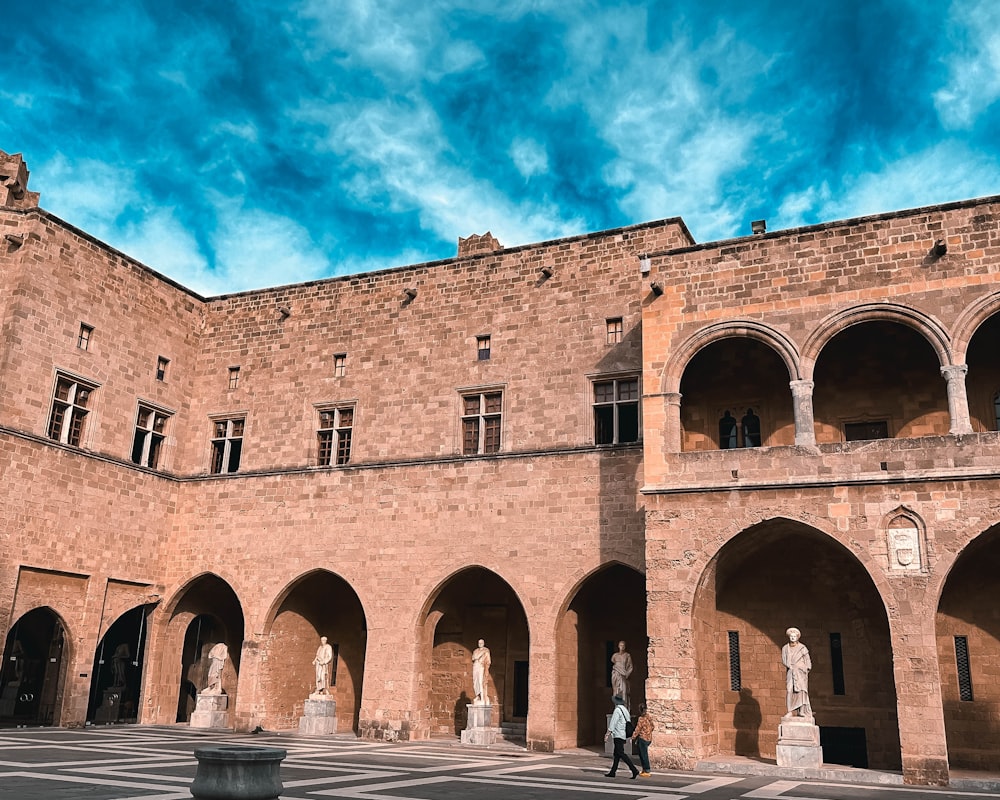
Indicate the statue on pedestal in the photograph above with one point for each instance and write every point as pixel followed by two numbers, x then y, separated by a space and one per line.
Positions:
pixel 621 670
pixel 795 657
pixel 324 657
pixel 118 663
pixel 480 673
pixel 216 661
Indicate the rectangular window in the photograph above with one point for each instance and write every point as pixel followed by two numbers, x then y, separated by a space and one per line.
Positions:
pixel 837 663
pixel 161 368
pixel 614 330
pixel 735 673
pixel 227 445
pixel 616 411
pixel 863 431
pixel 964 669
pixel 340 365
pixel 336 426
pixel 83 339
pixel 483 347
pixel 234 377
pixel 69 410
pixel 150 427
pixel 481 418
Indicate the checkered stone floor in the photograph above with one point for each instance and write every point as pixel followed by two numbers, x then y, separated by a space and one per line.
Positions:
pixel 157 763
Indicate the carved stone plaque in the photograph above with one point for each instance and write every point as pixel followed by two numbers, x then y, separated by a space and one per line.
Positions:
pixel 904 549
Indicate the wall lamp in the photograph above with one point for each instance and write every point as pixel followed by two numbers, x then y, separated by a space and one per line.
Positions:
pixel 939 248
pixel 410 293
pixel 758 226
pixel 285 312
pixel 15 240
pixel 657 288
pixel 546 272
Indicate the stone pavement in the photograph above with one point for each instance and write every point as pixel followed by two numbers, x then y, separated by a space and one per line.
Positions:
pixel 157 763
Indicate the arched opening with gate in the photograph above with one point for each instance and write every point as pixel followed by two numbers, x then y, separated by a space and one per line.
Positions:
pixel 116 677
pixel 33 672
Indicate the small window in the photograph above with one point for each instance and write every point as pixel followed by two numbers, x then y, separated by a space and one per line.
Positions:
pixel 340 365
pixel 150 431
pixel 481 422
pixel 161 368
pixel 70 406
pixel 964 669
pixel 750 424
pixel 234 377
pixel 483 348
pixel 83 339
pixel 615 330
pixel 996 411
pixel 336 427
pixel 837 664
pixel 227 445
pixel 863 431
pixel 616 411
pixel 735 671
pixel 728 431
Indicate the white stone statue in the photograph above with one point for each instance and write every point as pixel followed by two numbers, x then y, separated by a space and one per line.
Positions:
pixel 795 657
pixel 480 673
pixel 324 657
pixel 621 670
pixel 216 661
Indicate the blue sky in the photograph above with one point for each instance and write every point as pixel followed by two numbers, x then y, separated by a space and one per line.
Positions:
pixel 241 144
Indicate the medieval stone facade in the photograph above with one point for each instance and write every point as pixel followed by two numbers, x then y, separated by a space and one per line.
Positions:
pixel 623 435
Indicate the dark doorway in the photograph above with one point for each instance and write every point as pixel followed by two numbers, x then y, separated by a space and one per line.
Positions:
pixel 847 746
pixel 117 671
pixel 32 670
pixel 520 689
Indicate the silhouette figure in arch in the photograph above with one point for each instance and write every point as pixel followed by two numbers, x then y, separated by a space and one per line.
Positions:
pixel 746 721
pixel 751 429
pixel 727 431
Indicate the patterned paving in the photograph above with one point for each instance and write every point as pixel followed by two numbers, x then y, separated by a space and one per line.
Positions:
pixel 158 764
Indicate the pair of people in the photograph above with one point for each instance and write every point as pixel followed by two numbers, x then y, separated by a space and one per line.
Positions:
pixel 642 736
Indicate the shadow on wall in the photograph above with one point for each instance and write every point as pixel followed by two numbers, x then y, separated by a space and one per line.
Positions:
pixel 746 722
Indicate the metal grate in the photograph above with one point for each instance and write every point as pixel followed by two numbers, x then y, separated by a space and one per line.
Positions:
pixel 837 663
pixel 735 678
pixel 964 673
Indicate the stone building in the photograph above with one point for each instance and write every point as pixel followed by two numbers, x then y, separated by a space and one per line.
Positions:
pixel 619 436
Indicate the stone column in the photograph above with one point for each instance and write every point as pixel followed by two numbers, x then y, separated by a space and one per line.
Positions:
pixel 672 422
pixel 802 408
pixel 958 399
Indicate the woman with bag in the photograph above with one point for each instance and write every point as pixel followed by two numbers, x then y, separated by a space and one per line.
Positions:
pixel 643 737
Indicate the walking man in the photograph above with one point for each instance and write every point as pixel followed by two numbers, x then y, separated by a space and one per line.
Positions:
pixel 616 730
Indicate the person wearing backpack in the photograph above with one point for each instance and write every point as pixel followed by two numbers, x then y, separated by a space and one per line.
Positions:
pixel 620 718
pixel 643 737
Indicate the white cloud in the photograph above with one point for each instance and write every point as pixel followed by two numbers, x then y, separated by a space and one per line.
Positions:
pixel 529 157
pixel 973 65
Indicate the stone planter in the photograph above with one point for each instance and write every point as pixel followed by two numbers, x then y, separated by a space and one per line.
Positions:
pixel 237 772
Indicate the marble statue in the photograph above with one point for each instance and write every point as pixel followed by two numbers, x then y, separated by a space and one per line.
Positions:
pixel 324 656
pixel 216 661
pixel 480 673
pixel 621 670
pixel 795 657
pixel 118 663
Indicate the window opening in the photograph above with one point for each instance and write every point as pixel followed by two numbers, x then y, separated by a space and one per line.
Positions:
pixel 735 675
pixel 837 663
pixel 340 365
pixel 751 429
pixel 483 347
pixel 996 411
pixel 83 338
pixel 616 411
pixel 728 431
pixel 615 330
pixel 69 410
pixel 161 368
pixel 150 426
pixel 481 418
pixel 227 445
pixel 964 668
pixel 336 426
pixel 234 377
pixel 863 431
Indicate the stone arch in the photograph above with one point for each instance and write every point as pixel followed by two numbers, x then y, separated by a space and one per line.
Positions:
pixel 37 653
pixel 677 362
pixel 588 627
pixel 977 337
pixel 117 673
pixel 317 603
pixel 840 321
pixel 472 603
pixel 969 321
pixel 967 627
pixel 203 610
pixel 779 573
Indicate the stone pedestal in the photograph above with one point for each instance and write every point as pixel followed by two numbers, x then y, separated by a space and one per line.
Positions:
pixel 798 743
pixel 479 729
pixel 235 772
pixel 319 717
pixel 211 711
pixel 609 745
pixel 111 706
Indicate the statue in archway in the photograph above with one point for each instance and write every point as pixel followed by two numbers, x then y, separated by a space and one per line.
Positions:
pixel 795 657
pixel 621 671
pixel 119 661
pixel 216 661
pixel 324 657
pixel 480 673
